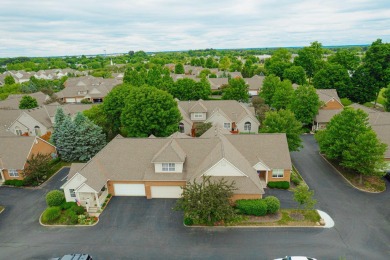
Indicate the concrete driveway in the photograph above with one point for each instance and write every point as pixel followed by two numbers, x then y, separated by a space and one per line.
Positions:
pixel 136 228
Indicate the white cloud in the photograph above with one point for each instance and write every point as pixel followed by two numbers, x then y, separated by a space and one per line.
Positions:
pixel 56 27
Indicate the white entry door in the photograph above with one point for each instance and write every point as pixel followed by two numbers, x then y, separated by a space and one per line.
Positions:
pixel 129 189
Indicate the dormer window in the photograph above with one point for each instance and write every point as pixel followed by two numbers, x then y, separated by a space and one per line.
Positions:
pixel 168 167
pixel 82 92
pixel 198 115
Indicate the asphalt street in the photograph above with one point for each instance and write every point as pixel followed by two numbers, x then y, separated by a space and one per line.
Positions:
pixel 137 228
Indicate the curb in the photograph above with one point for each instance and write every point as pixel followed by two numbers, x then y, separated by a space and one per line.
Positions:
pixel 45 225
pixel 1 211
pixel 350 183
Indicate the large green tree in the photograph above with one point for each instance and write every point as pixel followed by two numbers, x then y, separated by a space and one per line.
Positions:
pixel 363 86
pixel 28 102
pixel 347 58
pixel 134 77
pixel 310 58
pixel 284 121
pixel 113 105
pixel 37 169
pixel 279 62
pixel 179 68
pixel 148 111
pixel 237 89
pixel 9 80
pixel 377 64
pixel 305 104
pixel 296 74
pixel 189 89
pixel 224 63
pixel 207 201
pixel 386 95
pixel 283 95
pixel 270 84
pixel 334 76
pixel 349 139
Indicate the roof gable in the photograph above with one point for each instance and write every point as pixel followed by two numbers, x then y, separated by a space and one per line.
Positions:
pixel 171 152
pixel 223 168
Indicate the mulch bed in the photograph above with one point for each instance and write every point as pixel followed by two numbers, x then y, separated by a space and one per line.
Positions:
pixel 265 219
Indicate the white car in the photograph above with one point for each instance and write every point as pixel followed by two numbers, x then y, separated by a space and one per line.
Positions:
pixel 296 258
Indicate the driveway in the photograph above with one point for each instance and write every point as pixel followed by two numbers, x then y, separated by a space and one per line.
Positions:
pixel 138 228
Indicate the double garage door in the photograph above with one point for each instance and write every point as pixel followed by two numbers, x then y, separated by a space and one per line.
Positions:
pixel 139 190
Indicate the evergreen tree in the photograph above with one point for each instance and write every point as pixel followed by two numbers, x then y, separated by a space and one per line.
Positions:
pixel 58 120
pixel 66 140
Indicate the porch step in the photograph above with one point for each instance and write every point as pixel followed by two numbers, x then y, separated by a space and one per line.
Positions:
pixel 93 209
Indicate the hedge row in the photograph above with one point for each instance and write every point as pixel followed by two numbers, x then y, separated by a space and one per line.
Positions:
pixel 16 183
pixel 279 184
pixel 258 207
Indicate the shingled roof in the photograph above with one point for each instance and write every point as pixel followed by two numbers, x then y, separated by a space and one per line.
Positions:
pixel 14 151
pixel 131 158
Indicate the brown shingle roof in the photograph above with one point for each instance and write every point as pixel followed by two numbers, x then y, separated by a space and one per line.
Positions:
pixel 324 116
pixel 325 95
pixel 14 151
pixel 12 102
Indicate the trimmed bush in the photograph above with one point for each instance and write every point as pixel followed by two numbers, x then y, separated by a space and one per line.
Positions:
pixel 273 204
pixel 188 221
pixel 16 183
pixel 279 184
pixel 79 210
pixel 72 217
pixel 295 180
pixel 51 214
pixel 109 195
pixel 68 205
pixel 252 207
pixel 55 198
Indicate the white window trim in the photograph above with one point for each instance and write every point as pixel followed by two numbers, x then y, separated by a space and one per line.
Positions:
pixel 72 193
pixel 13 173
pixel 18 131
pixel 197 115
pixel 168 167
pixel 227 125
pixel 277 173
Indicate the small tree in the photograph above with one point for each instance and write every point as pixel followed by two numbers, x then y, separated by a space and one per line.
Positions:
pixel 38 167
pixel 28 102
pixel 304 196
pixel 179 68
pixel 207 202
pixel 9 80
pixel 55 198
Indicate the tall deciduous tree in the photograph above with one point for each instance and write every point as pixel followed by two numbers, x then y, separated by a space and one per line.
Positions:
pixel 363 86
pixel 334 76
pixel 310 58
pixel 377 63
pixel 28 102
pixel 9 80
pixel 305 104
pixel 349 59
pixel 134 77
pixel 113 105
pixel 37 168
pixel 284 121
pixel 237 89
pixel 349 139
pixel 149 110
pixel 279 62
pixel 270 84
pixel 207 201
pixel 296 74
pixel 283 95
pixel 224 63
pixel 189 89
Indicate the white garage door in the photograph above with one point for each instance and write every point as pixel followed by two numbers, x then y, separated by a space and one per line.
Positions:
pixel 166 191
pixel 70 100
pixel 129 189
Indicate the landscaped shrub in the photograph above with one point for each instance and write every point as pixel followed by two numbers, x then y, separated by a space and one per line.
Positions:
pixel 16 183
pixel 295 180
pixel 252 207
pixel 279 184
pixel 78 209
pixel 273 204
pixel 51 214
pixel 188 221
pixel 72 217
pixel 55 198
pixel 67 205
pixel 109 195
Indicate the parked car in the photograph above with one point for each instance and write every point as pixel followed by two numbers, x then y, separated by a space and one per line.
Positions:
pixel 74 257
pixel 296 258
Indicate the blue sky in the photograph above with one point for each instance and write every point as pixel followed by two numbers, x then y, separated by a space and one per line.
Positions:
pixel 74 27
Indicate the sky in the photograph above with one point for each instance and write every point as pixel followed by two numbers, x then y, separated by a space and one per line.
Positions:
pixel 40 28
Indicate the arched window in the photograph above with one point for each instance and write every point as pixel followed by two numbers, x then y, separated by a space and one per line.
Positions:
pixel 37 130
pixel 181 128
pixel 247 126
pixel 18 131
